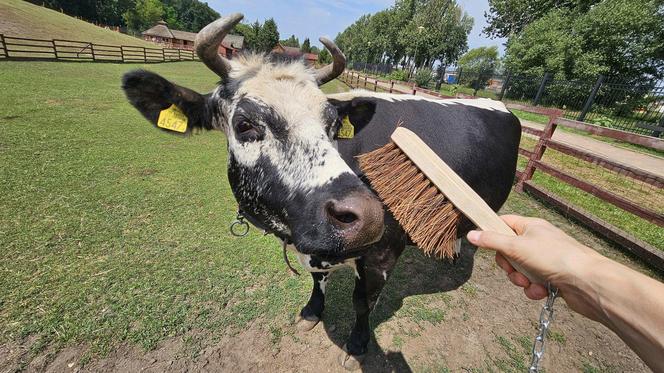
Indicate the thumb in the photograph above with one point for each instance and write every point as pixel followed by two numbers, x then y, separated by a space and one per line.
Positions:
pixel 491 240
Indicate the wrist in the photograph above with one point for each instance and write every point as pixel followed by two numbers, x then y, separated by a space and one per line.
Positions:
pixel 580 285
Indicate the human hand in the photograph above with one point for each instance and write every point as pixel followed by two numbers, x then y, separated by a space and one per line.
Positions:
pixel 539 248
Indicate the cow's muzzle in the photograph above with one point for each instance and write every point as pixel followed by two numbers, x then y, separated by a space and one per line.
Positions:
pixel 357 217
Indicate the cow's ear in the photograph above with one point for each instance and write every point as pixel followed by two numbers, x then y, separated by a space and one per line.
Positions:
pixel 359 111
pixel 151 94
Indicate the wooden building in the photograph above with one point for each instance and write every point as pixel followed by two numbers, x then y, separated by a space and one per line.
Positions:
pixel 294 54
pixel 162 34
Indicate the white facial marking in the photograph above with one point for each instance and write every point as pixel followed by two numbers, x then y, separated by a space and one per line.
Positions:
pixel 385 275
pixel 308 159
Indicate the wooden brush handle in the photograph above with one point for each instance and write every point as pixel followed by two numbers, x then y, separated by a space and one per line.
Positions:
pixel 462 196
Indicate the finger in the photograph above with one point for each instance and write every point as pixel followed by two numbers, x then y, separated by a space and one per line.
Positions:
pixel 536 292
pixel 504 264
pixel 519 279
pixel 490 240
pixel 519 223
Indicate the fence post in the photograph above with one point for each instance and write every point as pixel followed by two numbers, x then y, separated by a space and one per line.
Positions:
pixel 540 90
pixel 179 55
pixel 145 57
pixel 55 49
pixel 4 46
pixel 365 82
pixel 163 55
pixel 414 88
pixel 537 153
pixel 591 98
pixel 458 79
pixel 375 85
pixel 506 83
pixel 391 85
pixel 122 53
pixel 92 49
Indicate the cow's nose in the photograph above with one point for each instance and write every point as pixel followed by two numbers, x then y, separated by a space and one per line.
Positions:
pixel 357 217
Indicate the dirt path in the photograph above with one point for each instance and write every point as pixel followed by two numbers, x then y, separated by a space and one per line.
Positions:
pixel 646 162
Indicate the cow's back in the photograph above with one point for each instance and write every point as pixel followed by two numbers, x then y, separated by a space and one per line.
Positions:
pixel 478 139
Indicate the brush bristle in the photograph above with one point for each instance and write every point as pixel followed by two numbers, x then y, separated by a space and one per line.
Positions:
pixel 423 211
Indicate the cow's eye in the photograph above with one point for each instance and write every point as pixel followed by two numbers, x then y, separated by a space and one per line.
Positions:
pixel 244 127
pixel 247 131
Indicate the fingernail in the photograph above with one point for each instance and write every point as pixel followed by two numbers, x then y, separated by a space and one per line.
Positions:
pixel 473 236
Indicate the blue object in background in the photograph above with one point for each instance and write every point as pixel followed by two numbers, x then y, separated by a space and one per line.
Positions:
pixel 451 79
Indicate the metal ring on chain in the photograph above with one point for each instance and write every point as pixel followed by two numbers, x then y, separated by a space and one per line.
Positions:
pixel 239 228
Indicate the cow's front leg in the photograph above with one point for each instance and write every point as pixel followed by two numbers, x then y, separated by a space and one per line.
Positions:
pixel 313 311
pixel 367 289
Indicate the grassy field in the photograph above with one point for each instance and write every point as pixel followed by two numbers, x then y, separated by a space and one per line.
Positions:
pixel 113 232
pixel 22 19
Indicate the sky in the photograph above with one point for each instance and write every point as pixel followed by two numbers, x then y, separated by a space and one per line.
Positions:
pixel 315 18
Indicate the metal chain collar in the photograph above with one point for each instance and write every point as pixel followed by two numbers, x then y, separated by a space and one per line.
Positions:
pixel 545 320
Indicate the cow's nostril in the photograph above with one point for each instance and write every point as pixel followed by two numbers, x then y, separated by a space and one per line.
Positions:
pixel 341 214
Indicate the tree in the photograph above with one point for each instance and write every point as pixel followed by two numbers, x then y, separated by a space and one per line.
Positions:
pixel 324 57
pixel 412 32
pixel 144 15
pixel 267 36
pixel 306 46
pixel 482 59
pixel 614 38
pixel 509 17
pixel 248 32
pixel 293 41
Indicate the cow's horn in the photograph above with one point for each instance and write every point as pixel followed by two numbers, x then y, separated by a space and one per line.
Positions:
pixel 331 71
pixel 208 40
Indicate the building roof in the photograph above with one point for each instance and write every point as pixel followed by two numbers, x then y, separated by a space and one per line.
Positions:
pixel 161 29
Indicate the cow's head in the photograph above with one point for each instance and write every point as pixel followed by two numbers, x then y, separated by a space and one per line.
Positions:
pixel 283 167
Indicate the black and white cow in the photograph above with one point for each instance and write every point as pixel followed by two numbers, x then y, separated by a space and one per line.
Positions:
pixel 293 176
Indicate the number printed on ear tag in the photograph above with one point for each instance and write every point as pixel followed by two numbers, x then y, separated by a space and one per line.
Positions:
pixel 346 131
pixel 173 119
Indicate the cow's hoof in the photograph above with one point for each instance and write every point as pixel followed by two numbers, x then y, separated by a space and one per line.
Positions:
pixel 350 362
pixel 305 324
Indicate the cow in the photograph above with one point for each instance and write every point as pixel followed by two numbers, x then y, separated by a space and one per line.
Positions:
pixel 295 177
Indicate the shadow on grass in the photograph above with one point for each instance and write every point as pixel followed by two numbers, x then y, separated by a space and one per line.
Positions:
pixel 415 274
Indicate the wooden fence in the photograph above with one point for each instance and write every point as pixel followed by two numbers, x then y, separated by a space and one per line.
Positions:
pixel 625 173
pixel 16 48
pixel 357 80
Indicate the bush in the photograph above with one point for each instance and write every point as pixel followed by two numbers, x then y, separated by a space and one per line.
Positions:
pixel 423 77
pixel 399 75
pixel 602 121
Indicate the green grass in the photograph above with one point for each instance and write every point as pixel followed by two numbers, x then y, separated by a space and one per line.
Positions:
pixel 532 117
pixel 22 19
pixel 114 231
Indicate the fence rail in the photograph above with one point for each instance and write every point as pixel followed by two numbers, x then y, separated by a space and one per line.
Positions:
pixel 18 48
pixel 636 107
pixel 648 212
pixel 633 177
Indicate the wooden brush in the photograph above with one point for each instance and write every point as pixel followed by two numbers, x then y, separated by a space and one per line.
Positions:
pixel 425 195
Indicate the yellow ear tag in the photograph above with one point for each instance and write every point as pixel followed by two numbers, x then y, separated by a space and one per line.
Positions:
pixel 173 119
pixel 347 131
